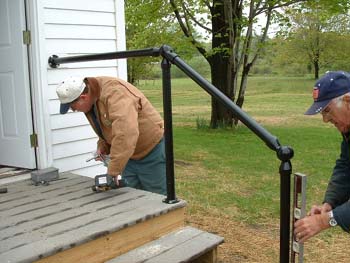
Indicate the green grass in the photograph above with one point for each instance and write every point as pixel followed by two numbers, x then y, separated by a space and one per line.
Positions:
pixel 231 171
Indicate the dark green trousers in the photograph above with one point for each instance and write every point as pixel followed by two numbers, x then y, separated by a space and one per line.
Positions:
pixel 149 173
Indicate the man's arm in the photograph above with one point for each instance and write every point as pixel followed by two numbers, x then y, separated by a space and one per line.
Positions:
pixel 102 147
pixel 123 112
pixel 336 198
pixel 338 190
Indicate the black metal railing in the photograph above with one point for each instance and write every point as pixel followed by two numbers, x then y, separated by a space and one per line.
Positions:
pixel 284 153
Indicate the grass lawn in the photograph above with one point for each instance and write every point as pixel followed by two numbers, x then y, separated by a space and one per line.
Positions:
pixel 230 177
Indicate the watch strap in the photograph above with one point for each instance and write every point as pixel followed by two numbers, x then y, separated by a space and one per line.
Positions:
pixel 332 222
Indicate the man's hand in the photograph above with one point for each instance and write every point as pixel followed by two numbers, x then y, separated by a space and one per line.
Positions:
pixel 99 154
pixel 315 210
pixel 311 225
pixel 116 179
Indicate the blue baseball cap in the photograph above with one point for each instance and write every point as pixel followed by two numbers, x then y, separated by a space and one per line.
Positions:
pixel 331 85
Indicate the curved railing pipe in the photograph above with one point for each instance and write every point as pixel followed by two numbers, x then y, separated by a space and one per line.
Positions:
pixel 284 153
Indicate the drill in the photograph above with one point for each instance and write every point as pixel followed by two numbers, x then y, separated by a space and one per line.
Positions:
pixel 105 182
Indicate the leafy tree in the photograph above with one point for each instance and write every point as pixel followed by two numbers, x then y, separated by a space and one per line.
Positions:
pixel 285 59
pixel 316 31
pixel 231 25
pixel 148 24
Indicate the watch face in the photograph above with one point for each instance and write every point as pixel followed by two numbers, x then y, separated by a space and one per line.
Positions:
pixel 332 222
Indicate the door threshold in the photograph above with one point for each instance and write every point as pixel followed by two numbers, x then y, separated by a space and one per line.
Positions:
pixel 8 171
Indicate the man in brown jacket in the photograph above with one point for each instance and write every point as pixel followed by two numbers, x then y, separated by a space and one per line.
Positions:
pixel 129 128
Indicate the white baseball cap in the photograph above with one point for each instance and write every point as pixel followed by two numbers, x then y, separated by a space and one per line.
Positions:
pixel 69 90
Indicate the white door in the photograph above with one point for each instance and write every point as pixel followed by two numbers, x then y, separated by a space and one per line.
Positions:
pixel 15 102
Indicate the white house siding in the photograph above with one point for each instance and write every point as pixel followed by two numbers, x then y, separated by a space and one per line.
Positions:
pixel 79 27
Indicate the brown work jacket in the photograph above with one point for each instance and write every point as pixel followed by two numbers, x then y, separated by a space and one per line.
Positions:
pixel 130 127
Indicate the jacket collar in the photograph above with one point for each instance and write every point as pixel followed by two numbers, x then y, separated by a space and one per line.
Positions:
pixel 94 87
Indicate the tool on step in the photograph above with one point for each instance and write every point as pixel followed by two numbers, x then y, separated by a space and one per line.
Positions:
pixel 105 182
pixel 299 211
pixel 3 190
pixel 104 158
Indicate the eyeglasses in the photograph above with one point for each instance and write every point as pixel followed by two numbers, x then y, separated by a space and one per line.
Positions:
pixel 333 105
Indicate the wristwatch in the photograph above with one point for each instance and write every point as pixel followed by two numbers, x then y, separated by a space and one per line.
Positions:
pixel 332 221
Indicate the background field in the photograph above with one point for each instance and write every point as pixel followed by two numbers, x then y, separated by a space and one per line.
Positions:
pixel 230 177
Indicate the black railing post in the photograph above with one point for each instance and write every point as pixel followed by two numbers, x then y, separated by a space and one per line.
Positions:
pixel 168 132
pixel 285 153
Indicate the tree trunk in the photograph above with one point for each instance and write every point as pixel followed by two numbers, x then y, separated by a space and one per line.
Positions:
pixel 317 64
pixel 220 115
pixel 221 66
pixel 131 73
pixel 243 86
pixel 316 60
pixel 317 69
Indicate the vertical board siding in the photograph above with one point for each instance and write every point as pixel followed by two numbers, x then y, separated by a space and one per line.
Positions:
pixel 78 27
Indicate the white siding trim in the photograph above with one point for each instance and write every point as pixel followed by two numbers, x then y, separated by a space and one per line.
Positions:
pixel 38 63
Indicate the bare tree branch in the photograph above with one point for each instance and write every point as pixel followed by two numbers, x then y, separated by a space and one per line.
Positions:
pixel 263 38
pixel 258 3
pixel 207 3
pixel 188 25
pixel 246 43
pixel 237 9
pixel 186 30
pixel 266 6
pixel 194 19
pixel 179 19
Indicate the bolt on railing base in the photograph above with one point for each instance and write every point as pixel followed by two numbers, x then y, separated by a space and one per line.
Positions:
pixel 173 201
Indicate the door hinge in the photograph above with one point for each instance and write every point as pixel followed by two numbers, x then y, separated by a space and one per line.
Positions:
pixel 26 37
pixel 34 140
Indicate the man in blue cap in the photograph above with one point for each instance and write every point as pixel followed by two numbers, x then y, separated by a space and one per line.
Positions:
pixel 331 96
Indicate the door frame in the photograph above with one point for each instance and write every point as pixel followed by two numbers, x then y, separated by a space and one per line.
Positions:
pixel 39 84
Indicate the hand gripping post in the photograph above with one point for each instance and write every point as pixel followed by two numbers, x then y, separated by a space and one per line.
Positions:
pixel 299 211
